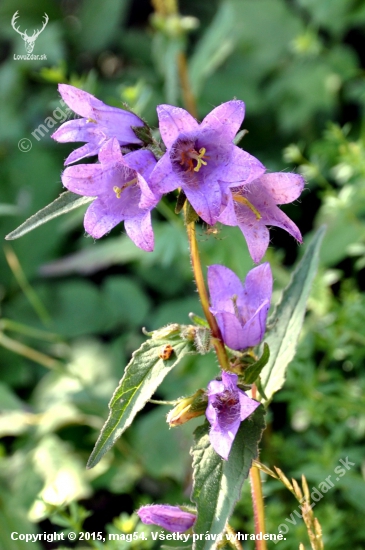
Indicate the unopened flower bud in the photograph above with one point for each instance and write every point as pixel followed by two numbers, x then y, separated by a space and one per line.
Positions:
pixel 188 408
pixel 171 518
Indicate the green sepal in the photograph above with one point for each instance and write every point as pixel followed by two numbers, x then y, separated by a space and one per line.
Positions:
pixel 253 371
pixel 66 202
pixel 190 214
pixel 145 135
pixel 198 320
pixel 142 376
pixel 217 483
pixel 260 389
pixel 181 199
pixel 239 136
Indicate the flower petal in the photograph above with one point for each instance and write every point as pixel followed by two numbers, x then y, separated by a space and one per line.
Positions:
pixel 242 168
pixel 252 332
pixel 283 187
pixel 257 239
pixel 78 130
pixel 79 101
pixel 174 121
pixel 142 161
pixel 226 119
pixel 222 440
pixel 86 179
pixel 163 179
pixel 248 405
pixel 205 197
pixel 99 220
pixel 223 284
pixel 171 518
pixel 110 152
pixel 228 213
pixel 118 123
pixel 256 290
pixel 231 329
pixel 87 150
pixel 278 218
pixel 139 229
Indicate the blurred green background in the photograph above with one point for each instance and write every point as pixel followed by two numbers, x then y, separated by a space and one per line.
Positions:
pixel 299 67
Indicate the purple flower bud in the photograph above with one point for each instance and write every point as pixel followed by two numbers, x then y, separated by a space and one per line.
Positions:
pixel 240 310
pixel 227 407
pixel 171 518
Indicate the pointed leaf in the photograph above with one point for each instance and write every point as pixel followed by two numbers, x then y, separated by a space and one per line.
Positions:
pixel 217 482
pixel 64 203
pixel 253 371
pixel 142 377
pixel 288 318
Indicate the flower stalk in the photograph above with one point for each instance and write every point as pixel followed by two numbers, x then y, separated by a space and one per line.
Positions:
pixel 257 499
pixel 258 506
pixel 203 295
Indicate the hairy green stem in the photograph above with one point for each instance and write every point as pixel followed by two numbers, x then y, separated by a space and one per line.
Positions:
pixel 258 506
pixel 257 499
pixel 203 295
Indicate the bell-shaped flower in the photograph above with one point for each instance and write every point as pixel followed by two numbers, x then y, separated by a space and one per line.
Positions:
pixel 240 309
pixel 99 123
pixel 122 194
pixel 253 207
pixel 171 518
pixel 202 159
pixel 227 407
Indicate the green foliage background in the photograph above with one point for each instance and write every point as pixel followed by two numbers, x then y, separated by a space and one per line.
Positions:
pixel 299 67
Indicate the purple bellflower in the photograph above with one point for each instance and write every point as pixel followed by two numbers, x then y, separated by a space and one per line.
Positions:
pixel 121 191
pixel 253 207
pixel 240 310
pixel 201 159
pixel 171 518
pixel 227 407
pixel 99 123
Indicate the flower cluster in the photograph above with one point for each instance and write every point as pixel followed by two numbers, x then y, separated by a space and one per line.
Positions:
pixel 222 182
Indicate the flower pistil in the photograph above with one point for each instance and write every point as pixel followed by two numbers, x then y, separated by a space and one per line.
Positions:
pixel 119 190
pixel 188 158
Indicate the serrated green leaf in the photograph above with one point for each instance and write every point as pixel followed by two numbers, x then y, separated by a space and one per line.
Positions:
pixel 253 371
pixel 142 376
pixel 288 318
pixel 218 482
pixel 64 203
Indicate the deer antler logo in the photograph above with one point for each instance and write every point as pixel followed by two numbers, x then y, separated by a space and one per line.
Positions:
pixel 29 40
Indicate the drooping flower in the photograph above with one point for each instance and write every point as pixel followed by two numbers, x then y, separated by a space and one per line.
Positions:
pixel 201 158
pixel 253 207
pixel 121 191
pixel 99 123
pixel 171 518
pixel 227 407
pixel 240 309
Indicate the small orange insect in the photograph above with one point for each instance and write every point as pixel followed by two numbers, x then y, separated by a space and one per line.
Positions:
pixel 166 352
